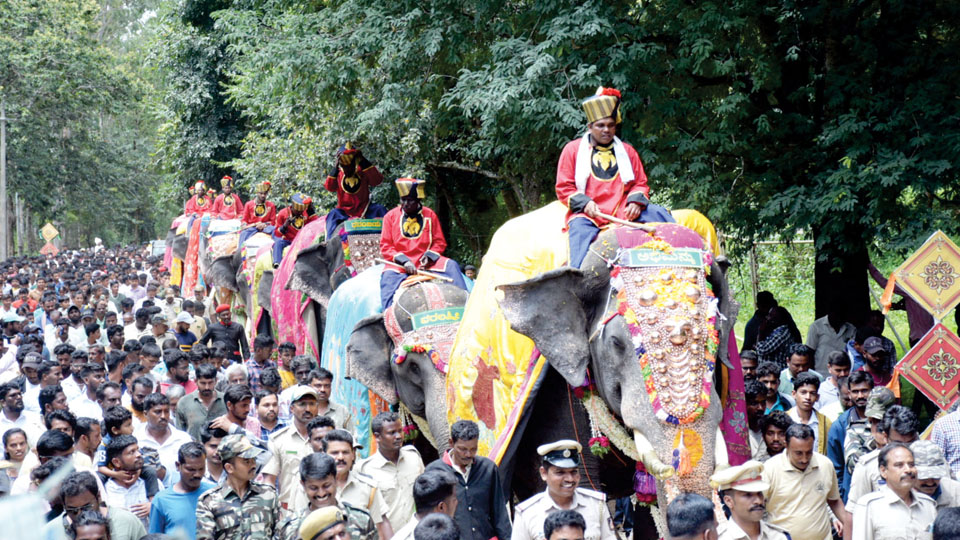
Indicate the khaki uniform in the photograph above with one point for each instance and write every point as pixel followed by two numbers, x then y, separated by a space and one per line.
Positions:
pixel 340 416
pixel 359 524
pixel 222 515
pixel 728 530
pixel 797 500
pixel 883 515
pixel 288 448
pixel 361 491
pixel 949 493
pixel 592 505
pixel 866 479
pixel 395 482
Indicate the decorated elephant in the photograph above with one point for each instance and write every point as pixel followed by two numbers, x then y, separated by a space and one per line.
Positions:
pixel 641 324
pixel 402 354
pixel 316 266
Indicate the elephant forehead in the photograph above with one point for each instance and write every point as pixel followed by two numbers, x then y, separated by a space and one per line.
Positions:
pixel 671 233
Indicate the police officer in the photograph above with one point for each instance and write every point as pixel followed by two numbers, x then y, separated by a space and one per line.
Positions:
pixel 318 477
pixel 560 470
pixel 328 523
pixel 239 508
pixel 741 490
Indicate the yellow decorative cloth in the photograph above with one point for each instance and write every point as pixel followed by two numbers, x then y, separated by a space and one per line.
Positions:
pixel 492 369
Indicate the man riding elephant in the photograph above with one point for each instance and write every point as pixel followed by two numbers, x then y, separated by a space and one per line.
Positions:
pixel 228 204
pixel 259 214
pixel 413 240
pixel 600 174
pixel 200 203
pixel 351 179
pixel 289 222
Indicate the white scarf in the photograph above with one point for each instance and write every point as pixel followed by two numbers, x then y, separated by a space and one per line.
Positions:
pixel 583 167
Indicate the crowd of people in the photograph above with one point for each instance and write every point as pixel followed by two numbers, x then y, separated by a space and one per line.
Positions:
pixel 168 433
pixel 834 453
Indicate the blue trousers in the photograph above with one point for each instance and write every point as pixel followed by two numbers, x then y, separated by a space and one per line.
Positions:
pixel 390 281
pixel 279 245
pixel 245 234
pixel 582 232
pixel 337 216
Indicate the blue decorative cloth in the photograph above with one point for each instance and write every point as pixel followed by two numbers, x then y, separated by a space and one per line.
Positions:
pixel 355 299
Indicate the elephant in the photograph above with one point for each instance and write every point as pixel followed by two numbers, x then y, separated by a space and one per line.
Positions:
pixel 575 300
pixel 418 382
pixel 587 331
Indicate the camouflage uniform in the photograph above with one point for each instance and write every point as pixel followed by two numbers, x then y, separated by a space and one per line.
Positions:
pixel 224 515
pixel 359 523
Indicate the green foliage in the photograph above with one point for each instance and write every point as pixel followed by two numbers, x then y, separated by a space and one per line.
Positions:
pixel 76 142
pixel 200 132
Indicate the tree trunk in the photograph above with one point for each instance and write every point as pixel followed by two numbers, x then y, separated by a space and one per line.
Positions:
pixel 840 279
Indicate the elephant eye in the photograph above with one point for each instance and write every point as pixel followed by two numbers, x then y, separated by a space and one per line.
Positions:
pixel 415 368
pixel 617 342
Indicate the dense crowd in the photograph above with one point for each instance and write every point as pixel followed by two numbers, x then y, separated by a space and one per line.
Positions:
pixel 170 433
pixel 834 452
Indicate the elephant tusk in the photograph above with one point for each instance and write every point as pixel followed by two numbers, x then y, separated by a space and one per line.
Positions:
pixel 648 457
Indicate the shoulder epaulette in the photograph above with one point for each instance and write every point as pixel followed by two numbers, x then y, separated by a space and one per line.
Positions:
pixel 529 502
pixel 592 494
pixel 353 508
pixel 365 479
pixel 869 497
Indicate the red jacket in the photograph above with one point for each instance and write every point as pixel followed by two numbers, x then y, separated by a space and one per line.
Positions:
pixel 192 207
pixel 354 199
pixel 227 211
pixel 611 195
pixel 290 232
pixel 398 247
pixel 250 216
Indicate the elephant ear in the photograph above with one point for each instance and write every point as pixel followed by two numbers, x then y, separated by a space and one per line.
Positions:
pixel 727 306
pixel 549 310
pixel 311 272
pixel 222 273
pixel 368 358
pixel 264 290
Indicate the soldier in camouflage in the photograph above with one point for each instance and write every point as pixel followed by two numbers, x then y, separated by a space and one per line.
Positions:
pixel 239 508
pixel 318 476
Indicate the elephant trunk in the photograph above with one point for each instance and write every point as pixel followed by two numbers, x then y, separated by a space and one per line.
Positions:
pixel 436 412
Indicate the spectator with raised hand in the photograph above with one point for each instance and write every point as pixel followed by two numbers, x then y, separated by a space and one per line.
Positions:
pixel 128 490
pixel 157 433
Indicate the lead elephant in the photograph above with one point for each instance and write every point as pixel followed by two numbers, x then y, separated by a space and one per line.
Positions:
pixel 641 317
pixel 418 380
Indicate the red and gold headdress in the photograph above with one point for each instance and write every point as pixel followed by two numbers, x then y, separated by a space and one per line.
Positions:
pixel 300 202
pixel 405 186
pixel 605 103
pixel 226 181
pixel 263 187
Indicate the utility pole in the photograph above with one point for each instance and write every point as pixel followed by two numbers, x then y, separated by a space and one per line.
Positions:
pixel 3 181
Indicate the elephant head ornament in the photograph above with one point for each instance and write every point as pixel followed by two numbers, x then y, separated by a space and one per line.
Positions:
pixel 643 320
pixel 401 354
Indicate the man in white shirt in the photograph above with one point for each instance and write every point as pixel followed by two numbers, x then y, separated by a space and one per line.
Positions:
pixel 157 433
pixel 829 333
pixel 13 415
pixel 127 491
pixel 86 404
